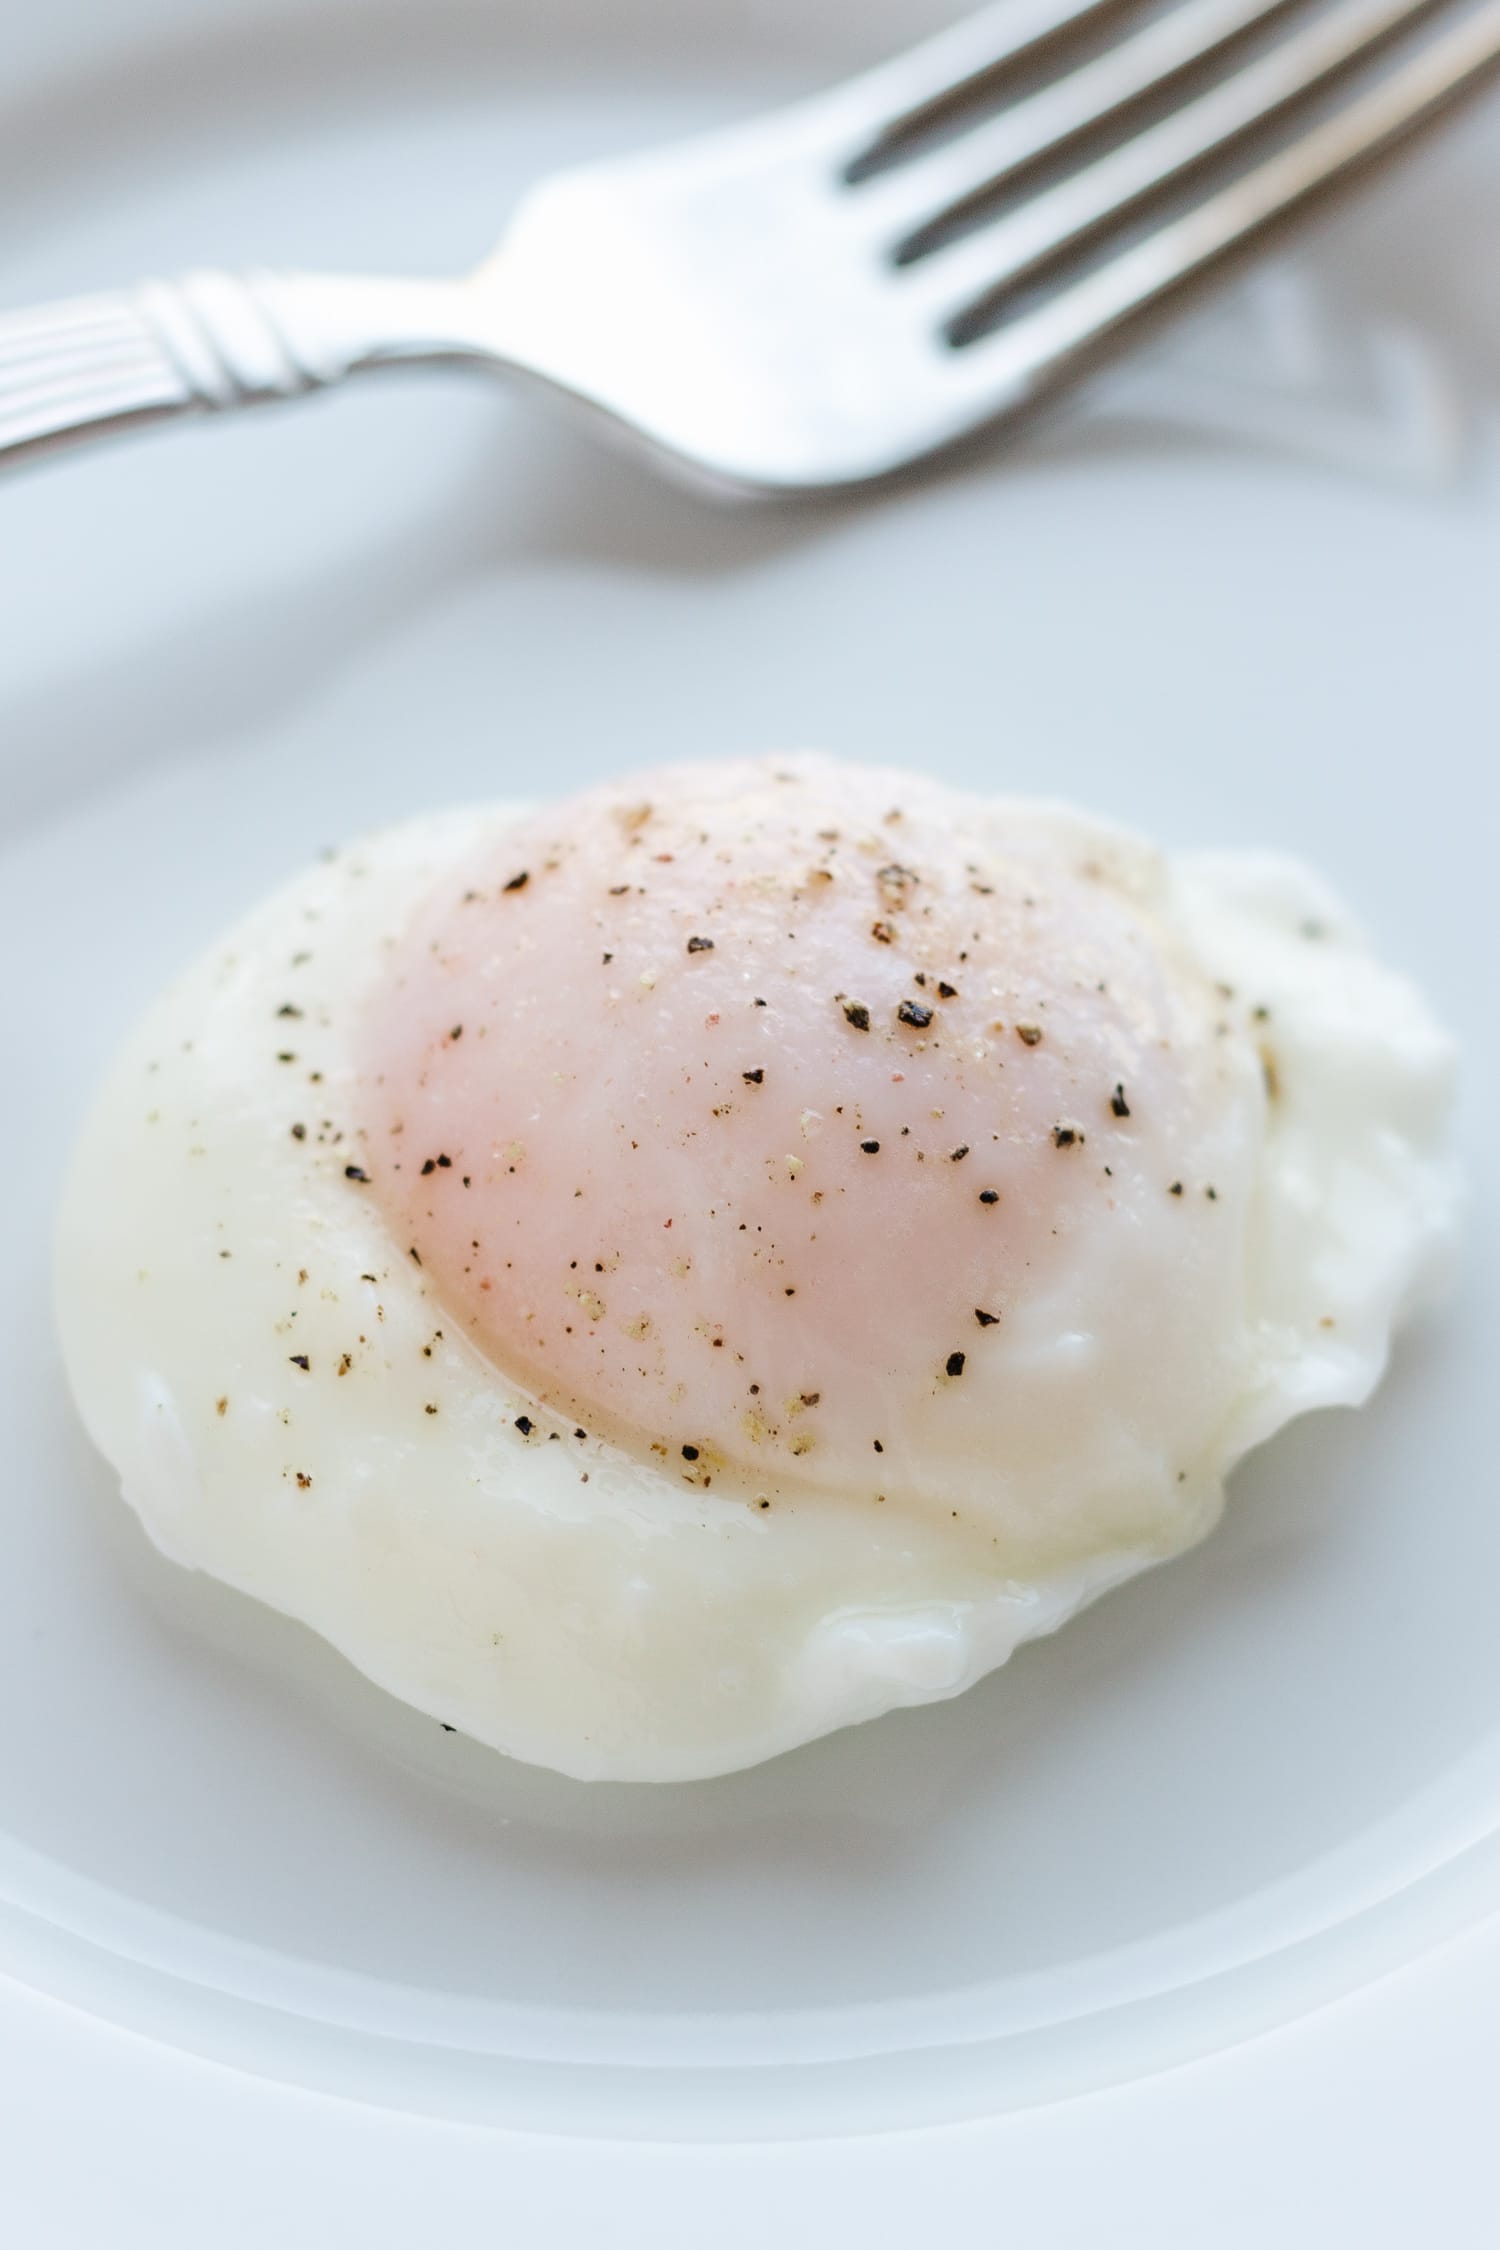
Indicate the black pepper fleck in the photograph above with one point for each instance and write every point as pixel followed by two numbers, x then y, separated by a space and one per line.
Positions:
pixel 356 1172
pixel 518 882
pixel 895 877
pixel 986 1319
pixel 700 945
pixel 752 1077
pixel 1118 1103
pixel 989 1195
pixel 858 1014
pixel 914 1013
pixel 955 1363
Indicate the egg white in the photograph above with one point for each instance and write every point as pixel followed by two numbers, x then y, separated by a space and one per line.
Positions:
pixel 544 1591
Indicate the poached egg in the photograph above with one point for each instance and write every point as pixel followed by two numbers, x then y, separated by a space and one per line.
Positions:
pixel 662 1276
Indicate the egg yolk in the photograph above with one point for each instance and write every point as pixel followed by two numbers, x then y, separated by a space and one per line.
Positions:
pixel 801 1136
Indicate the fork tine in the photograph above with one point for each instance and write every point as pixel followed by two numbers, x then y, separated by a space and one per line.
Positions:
pixel 912 201
pixel 961 277
pixel 874 112
pixel 1065 336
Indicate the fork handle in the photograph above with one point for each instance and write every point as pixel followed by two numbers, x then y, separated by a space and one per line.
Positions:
pixel 92 366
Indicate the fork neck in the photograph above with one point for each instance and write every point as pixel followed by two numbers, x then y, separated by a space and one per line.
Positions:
pixel 212 341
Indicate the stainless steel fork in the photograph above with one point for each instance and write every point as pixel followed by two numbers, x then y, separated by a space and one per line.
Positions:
pixel 817 299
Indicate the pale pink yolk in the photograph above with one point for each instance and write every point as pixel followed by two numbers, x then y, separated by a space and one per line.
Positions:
pixel 773 1118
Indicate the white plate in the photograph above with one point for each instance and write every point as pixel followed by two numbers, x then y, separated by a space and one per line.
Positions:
pixel 1246 597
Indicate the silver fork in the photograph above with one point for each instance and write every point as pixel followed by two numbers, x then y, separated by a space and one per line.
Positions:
pixel 825 295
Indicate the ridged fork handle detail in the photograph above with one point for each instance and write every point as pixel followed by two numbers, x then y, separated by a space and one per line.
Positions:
pixel 208 342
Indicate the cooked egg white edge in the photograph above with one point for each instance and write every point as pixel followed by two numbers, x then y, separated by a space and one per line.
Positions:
pixel 626 1626
pixel 1360 1200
